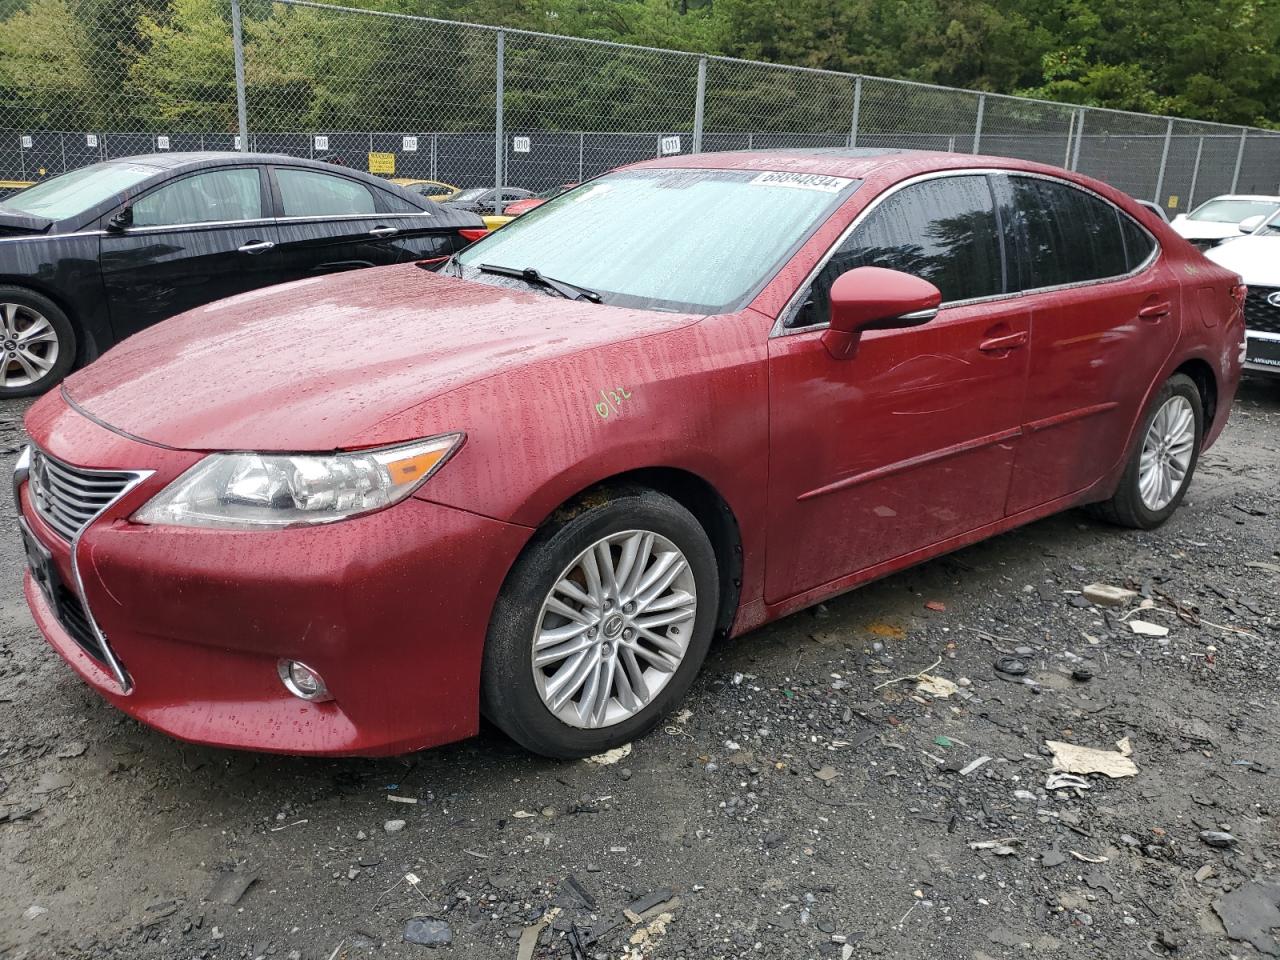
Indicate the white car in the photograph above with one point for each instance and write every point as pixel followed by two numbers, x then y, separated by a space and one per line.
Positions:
pixel 1221 218
pixel 1256 258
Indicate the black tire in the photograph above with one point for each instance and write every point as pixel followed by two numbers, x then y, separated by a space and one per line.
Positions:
pixel 509 694
pixel 62 328
pixel 1126 508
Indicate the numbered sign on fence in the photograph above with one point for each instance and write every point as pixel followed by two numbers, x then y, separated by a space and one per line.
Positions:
pixel 520 145
pixel 409 144
pixel 90 139
pixel 669 145
pixel 162 143
pixel 26 142
pixel 321 142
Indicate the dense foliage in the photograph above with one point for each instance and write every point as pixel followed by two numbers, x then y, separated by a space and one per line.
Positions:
pixel 92 64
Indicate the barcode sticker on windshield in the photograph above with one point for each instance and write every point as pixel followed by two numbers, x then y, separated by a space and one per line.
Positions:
pixel 803 181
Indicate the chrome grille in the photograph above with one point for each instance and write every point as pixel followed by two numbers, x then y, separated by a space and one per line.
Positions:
pixel 68 497
pixel 1261 311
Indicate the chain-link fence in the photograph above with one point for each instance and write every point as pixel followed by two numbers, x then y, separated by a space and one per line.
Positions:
pixel 471 105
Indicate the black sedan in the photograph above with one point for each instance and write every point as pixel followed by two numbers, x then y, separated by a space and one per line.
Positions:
pixel 485 200
pixel 91 256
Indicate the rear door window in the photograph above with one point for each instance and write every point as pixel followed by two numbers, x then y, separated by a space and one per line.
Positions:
pixel 308 193
pixel 1062 234
pixel 943 230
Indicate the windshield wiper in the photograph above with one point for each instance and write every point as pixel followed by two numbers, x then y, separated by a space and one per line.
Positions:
pixel 569 291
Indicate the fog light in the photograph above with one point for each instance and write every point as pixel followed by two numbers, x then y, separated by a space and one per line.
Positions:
pixel 302 681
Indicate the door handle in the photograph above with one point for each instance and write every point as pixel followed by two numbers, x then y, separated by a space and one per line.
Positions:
pixel 383 231
pixel 1155 311
pixel 1007 342
pixel 256 246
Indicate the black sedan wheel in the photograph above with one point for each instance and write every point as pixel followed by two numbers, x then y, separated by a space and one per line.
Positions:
pixel 37 344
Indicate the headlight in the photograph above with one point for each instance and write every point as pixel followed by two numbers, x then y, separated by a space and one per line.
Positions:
pixel 262 490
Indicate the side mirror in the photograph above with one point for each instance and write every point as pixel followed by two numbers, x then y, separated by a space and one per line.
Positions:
pixel 121 220
pixel 873 298
pixel 1250 224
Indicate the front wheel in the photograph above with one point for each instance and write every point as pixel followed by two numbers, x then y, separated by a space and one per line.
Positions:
pixel 37 343
pixel 602 624
pixel 1164 460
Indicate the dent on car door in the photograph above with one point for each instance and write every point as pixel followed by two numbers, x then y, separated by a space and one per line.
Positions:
pixel 329 223
pixel 187 242
pixel 1099 335
pixel 911 440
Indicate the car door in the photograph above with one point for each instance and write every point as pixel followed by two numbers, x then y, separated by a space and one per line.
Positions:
pixel 329 223
pixel 910 442
pixel 1105 315
pixel 187 242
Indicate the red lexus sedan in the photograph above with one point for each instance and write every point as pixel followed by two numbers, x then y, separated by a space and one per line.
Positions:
pixel 352 514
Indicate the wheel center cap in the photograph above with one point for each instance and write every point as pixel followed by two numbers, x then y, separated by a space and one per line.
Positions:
pixel 613 626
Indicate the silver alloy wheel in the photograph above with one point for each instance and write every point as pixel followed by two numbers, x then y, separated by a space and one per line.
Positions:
pixel 614 629
pixel 28 345
pixel 1166 453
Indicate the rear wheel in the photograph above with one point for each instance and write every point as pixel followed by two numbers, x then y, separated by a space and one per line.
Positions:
pixel 1164 460
pixel 37 343
pixel 602 625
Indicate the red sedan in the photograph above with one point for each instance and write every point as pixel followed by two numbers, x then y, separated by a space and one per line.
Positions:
pixel 351 514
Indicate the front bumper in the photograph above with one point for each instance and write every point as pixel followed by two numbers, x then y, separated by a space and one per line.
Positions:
pixel 1262 353
pixel 390 608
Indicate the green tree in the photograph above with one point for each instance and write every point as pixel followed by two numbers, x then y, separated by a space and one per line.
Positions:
pixel 43 70
pixel 184 68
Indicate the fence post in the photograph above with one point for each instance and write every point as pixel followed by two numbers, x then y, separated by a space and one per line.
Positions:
pixel 237 44
pixel 1235 177
pixel 1164 162
pixel 1071 129
pixel 699 105
pixel 1075 156
pixel 857 107
pixel 1195 175
pixel 434 174
pixel 581 143
pixel 499 142
pixel 977 126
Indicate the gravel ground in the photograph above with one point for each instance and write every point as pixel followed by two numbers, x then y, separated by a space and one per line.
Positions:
pixel 807 804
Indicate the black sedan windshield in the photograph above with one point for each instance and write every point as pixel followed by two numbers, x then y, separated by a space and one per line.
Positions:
pixel 80 190
pixel 701 241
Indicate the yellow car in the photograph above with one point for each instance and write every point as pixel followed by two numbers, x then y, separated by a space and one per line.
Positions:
pixel 431 189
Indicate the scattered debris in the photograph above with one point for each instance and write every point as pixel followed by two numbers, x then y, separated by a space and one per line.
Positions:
pixel 399 799
pixel 827 774
pixel 910 676
pixel 1001 848
pixel 940 688
pixel 937 606
pixel 1145 629
pixel 393 826
pixel 1088 857
pixel 1070 758
pixel 1011 666
pixel 1065 781
pixel 428 932
pixel 610 757
pixel 231 886
pixel 1250 912
pixel 1105 595
pixel 75 748
pixel 974 765
pixel 1218 838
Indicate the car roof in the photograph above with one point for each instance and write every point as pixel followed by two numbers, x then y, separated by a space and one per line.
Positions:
pixel 858 163
pixel 213 158
pixel 1242 196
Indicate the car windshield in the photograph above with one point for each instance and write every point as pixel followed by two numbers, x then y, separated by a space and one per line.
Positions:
pixel 465 195
pixel 699 241
pixel 73 193
pixel 1233 211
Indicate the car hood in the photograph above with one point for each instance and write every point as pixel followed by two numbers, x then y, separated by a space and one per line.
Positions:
pixel 1205 229
pixel 1256 259
pixel 319 364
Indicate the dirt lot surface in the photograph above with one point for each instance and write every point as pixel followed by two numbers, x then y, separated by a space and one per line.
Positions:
pixel 808 804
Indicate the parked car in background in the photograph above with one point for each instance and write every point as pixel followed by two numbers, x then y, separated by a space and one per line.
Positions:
pixel 1256 258
pixel 349 516
pixel 1154 208
pixel 513 210
pixel 486 202
pixel 89 257
pixel 1219 219
pixel 431 189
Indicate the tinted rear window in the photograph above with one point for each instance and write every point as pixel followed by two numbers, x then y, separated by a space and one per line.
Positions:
pixel 1062 234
